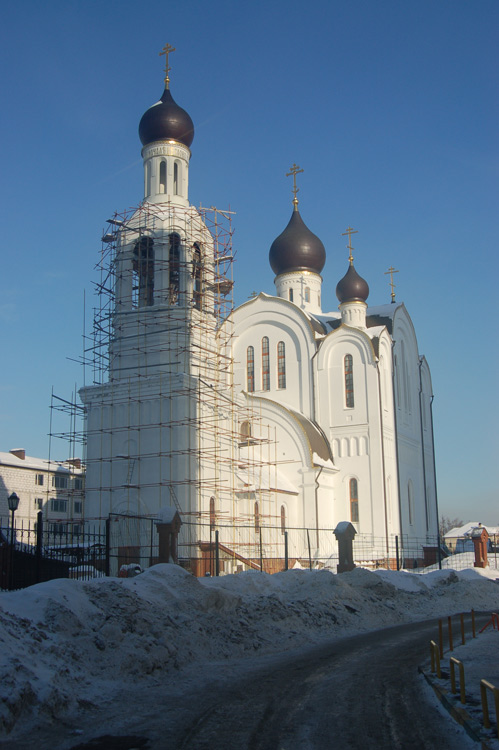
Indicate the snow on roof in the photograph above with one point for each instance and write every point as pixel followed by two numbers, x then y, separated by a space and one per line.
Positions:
pixel 31 462
pixel 467 528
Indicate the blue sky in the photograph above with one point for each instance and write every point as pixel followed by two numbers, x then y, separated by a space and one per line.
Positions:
pixel 389 106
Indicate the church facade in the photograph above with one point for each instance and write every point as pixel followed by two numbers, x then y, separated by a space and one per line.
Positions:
pixel 273 415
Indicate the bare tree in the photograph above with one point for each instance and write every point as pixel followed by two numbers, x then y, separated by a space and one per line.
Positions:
pixel 446 524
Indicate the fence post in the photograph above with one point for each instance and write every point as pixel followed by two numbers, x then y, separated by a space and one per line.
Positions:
pixel 108 546
pixel 397 551
pixel 261 549
pixel 39 542
pixel 217 555
pixel 286 559
pixel 309 553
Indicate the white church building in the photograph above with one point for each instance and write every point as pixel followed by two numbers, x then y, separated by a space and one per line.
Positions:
pixel 272 417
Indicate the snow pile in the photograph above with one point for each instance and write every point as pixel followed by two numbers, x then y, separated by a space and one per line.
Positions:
pixel 70 646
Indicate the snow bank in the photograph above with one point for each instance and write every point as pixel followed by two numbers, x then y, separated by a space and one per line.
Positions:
pixel 69 646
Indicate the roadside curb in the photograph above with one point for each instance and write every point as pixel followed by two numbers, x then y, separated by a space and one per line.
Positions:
pixel 458 713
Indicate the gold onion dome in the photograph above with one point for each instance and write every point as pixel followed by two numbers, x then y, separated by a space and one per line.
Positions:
pixel 297 249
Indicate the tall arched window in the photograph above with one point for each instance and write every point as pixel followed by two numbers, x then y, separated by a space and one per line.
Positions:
pixel 410 502
pixel 265 364
pixel 348 364
pixel 162 177
pixel 212 512
pixel 147 186
pixel 281 365
pixel 283 519
pixel 197 273
pixel 143 267
pixel 257 517
pixel 307 294
pixel 174 268
pixel 175 179
pixel 250 369
pixel 354 501
pixel 290 295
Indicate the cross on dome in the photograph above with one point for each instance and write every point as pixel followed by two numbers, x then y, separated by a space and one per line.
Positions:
pixel 294 170
pixel 391 271
pixel 350 231
pixel 166 51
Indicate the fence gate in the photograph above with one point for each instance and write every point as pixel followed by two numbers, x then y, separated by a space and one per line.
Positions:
pixel 131 540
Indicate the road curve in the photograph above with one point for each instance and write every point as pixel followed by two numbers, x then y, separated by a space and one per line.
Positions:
pixel 360 692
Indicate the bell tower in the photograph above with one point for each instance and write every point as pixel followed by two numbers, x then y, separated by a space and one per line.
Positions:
pixel 161 353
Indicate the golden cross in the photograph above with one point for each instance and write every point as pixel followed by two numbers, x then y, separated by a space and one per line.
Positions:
pixel 294 170
pixel 350 231
pixel 166 51
pixel 391 271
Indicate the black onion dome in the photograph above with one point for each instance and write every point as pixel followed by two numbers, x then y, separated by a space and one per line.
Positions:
pixel 352 287
pixel 297 249
pixel 166 121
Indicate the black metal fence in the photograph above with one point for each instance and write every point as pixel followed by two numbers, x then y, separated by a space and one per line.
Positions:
pixel 123 545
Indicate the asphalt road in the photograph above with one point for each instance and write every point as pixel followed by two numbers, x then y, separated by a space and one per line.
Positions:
pixel 361 692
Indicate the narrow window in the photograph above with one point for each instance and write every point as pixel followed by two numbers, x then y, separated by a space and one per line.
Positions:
pixel 212 512
pixel 162 177
pixel 38 503
pixel 307 294
pixel 250 369
pixel 143 267
pixel 283 519
pixel 281 365
pixel 197 273
pixel 175 178
pixel 354 501
pixel 290 295
pixel 147 187
pixel 349 380
pixel 245 431
pixel 39 480
pixel 410 503
pixel 265 364
pixel 257 517
pixel 174 268
pixel 78 506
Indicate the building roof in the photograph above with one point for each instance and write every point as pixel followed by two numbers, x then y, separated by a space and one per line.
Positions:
pixel 40 464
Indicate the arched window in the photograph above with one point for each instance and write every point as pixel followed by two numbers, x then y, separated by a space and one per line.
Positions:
pixel 143 267
pixel 354 501
pixel 250 369
pixel 197 273
pixel 265 364
pixel 245 430
pixel 162 177
pixel 307 294
pixel 175 178
pixel 257 517
pixel 212 512
pixel 348 364
pixel 281 365
pixel 290 295
pixel 283 519
pixel 174 268
pixel 147 186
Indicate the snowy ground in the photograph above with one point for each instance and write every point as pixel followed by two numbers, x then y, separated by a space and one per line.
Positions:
pixel 68 646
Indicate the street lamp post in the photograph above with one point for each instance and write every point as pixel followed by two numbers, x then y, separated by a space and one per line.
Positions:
pixel 13 502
